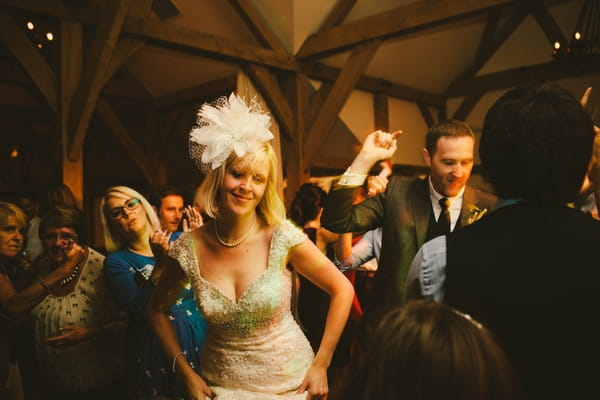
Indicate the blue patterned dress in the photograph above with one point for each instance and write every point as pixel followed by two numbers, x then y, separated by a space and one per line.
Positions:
pixel 127 277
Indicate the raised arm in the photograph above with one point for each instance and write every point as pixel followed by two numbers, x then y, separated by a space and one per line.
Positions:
pixel 339 214
pixel 316 267
pixel 18 304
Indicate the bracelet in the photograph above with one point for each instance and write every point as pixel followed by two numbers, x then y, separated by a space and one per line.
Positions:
pixel 44 285
pixel 181 353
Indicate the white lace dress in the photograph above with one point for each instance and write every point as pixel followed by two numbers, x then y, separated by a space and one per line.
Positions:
pixel 254 348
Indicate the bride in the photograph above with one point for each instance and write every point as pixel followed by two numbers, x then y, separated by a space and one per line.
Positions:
pixel 236 264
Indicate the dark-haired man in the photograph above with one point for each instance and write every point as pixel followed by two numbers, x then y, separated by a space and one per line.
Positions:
pixel 410 209
pixel 529 270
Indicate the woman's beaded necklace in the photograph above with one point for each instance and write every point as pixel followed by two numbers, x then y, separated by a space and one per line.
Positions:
pixel 73 274
pixel 237 242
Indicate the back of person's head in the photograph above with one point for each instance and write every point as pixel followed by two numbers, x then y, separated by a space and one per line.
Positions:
pixel 429 351
pixel 445 128
pixel 56 195
pixel 307 203
pixel 64 217
pixel 536 144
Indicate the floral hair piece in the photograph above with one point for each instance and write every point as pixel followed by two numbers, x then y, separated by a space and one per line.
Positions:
pixel 228 125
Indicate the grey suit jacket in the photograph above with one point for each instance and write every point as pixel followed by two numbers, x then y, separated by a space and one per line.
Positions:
pixel 403 211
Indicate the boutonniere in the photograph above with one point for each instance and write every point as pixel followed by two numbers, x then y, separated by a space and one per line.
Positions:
pixel 475 213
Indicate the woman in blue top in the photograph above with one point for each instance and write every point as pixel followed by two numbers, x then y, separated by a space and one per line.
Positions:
pixel 128 221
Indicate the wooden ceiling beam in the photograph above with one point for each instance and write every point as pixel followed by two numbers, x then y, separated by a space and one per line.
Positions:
pixel 548 25
pixel 493 37
pixel 324 72
pixel 121 134
pixel 393 23
pixel 215 88
pixel 426 114
pixel 257 25
pixel 30 58
pixel 533 74
pixel 338 14
pixel 467 105
pixel 94 73
pixel 381 114
pixel 162 34
pixel 267 84
pixel 343 86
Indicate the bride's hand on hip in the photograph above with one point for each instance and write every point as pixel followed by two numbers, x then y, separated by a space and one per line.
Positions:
pixel 315 382
pixel 197 388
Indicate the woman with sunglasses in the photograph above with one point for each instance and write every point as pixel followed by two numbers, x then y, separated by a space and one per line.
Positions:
pixel 128 221
pixel 78 326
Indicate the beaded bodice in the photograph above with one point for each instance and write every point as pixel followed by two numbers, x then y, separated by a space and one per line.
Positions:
pixel 253 343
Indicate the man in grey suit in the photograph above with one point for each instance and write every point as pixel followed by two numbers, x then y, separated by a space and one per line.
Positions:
pixel 410 208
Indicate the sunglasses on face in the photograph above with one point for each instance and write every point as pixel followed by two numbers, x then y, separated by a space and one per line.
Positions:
pixel 119 212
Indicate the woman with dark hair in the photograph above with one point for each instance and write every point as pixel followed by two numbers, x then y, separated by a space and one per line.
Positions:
pixel 78 327
pixel 312 303
pixel 430 351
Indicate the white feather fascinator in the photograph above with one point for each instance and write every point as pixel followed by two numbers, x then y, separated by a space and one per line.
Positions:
pixel 226 126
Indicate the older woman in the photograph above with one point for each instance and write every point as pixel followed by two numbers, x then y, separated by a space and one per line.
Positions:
pixel 18 295
pixel 78 326
pixel 128 220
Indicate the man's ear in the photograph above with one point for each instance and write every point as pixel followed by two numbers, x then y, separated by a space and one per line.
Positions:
pixel 155 210
pixel 426 157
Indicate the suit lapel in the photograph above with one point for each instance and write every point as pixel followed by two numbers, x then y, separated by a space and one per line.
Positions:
pixel 421 206
pixel 469 197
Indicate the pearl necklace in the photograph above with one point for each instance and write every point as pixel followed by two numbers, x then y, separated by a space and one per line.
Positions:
pixel 236 242
pixel 73 274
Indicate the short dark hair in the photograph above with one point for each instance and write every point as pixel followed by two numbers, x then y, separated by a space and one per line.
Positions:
pixel 306 203
pixel 64 217
pixel 445 128
pixel 428 350
pixel 536 144
pixel 158 193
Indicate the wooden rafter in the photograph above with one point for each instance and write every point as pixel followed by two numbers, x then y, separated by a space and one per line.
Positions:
pixel 200 92
pixel 324 72
pixel 465 108
pixel 120 132
pixel 338 14
pixel 29 57
pixel 343 86
pixel 271 91
pixel 426 114
pixel 548 24
pixel 162 34
pixel 92 79
pixel 493 37
pixel 532 74
pixel 254 21
pixel 381 112
pixel 414 16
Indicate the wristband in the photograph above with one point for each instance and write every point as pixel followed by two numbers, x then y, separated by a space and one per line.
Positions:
pixel 350 179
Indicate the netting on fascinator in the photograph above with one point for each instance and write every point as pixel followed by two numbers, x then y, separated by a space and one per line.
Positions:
pixel 226 126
